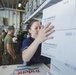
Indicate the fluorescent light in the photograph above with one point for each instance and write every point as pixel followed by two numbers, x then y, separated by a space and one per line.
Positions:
pixel 19 5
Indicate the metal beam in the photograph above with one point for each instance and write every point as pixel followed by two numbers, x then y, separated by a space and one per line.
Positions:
pixel 8 4
pixel 12 3
pixel 24 2
pixel 17 4
pixel 0 5
pixel 3 3
pixel 12 9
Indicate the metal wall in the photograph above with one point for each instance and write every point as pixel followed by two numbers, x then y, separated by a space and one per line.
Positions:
pixel 13 18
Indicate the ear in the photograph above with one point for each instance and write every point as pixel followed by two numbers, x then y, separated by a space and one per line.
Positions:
pixel 29 30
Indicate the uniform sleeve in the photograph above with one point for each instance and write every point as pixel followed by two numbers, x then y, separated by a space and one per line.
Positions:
pixel 9 40
pixel 26 43
pixel 2 37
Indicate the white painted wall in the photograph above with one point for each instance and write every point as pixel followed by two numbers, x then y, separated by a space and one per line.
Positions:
pixel 23 19
pixel 24 16
pixel 13 18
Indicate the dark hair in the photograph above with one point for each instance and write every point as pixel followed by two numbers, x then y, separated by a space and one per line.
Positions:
pixel 11 28
pixel 30 24
pixel 3 31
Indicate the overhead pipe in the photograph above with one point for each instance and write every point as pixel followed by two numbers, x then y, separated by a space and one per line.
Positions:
pixel 12 9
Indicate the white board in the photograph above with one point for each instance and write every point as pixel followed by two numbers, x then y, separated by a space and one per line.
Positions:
pixel 63 47
pixel 60 68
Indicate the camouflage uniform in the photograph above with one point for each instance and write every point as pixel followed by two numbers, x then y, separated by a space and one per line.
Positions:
pixel 7 59
pixel 1 48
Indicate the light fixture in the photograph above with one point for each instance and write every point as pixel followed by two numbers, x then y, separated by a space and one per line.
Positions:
pixel 19 5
